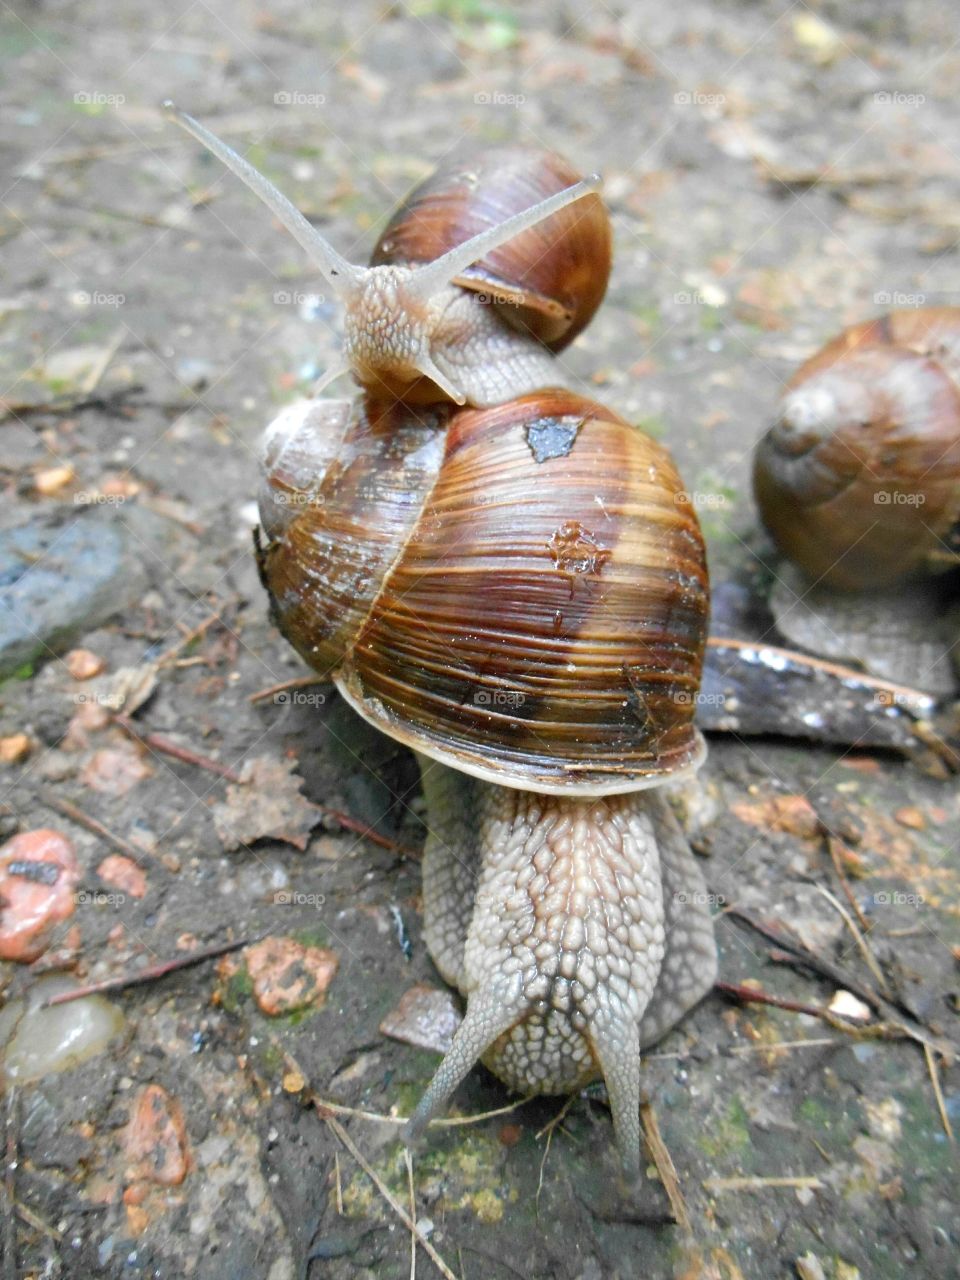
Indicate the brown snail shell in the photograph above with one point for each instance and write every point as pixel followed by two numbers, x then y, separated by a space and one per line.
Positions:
pixel 858 481
pixel 432 577
pixel 547 281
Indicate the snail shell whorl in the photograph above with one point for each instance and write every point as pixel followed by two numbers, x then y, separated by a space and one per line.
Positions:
pixel 548 280
pixel 552 651
pixel 858 481
pixel 343 481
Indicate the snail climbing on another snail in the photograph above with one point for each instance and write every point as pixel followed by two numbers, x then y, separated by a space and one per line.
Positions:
pixel 858 483
pixel 516 591
pixel 468 293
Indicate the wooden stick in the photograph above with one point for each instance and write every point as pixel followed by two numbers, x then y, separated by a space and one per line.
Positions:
pixel 800 1183
pixel 300 682
pixel 665 1166
pixel 149 975
pixel 900 694
pixel 869 958
pixel 833 847
pixel 77 815
pixel 818 1043
pixel 11 1148
pixel 188 638
pixel 753 995
pixel 157 742
pixel 368 833
pixel 413 1213
pixel 549 1129
pixel 937 1091
pixel 795 953
pixel 100 366
pixel 438 1122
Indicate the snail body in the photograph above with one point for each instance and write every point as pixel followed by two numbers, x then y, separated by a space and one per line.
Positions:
pixel 516 590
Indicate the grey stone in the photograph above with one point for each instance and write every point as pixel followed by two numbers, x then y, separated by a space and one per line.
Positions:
pixel 59 578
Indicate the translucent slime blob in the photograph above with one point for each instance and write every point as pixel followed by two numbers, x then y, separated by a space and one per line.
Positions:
pixel 35 1042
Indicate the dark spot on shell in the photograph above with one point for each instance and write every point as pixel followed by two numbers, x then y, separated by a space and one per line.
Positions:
pixel 552 437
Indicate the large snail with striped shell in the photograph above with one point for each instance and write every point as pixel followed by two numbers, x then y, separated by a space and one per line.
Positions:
pixel 858 483
pixel 502 575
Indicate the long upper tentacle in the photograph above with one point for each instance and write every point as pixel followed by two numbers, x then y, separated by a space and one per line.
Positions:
pixel 341 274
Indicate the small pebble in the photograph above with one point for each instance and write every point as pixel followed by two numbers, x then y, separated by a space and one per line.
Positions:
pixel 156 1139
pixel 124 874
pixel 847 1004
pixel 14 749
pixel 425 1017
pixel 32 904
pixel 39 1042
pixel 287 975
pixel 115 770
pixel 910 816
pixel 83 664
pixel 52 479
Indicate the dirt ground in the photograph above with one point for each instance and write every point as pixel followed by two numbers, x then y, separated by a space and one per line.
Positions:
pixel 774 171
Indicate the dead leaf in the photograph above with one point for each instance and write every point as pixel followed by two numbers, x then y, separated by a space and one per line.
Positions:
pixel 265 805
pixel 130 687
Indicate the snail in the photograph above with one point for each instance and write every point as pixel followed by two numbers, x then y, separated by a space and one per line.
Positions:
pixel 858 483
pixel 518 592
pixel 486 269
pixel 534 630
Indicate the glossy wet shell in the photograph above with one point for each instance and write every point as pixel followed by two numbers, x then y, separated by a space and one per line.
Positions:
pixel 858 481
pixel 543 621
pixel 550 279
pixel 342 487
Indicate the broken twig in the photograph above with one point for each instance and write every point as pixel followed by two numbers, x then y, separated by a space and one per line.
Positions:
pixel 77 815
pixel 156 971
pixel 664 1163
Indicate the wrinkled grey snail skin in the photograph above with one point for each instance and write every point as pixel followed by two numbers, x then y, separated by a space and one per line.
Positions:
pixel 577 930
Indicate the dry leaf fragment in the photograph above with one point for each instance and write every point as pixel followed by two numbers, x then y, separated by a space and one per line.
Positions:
pixel 265 805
